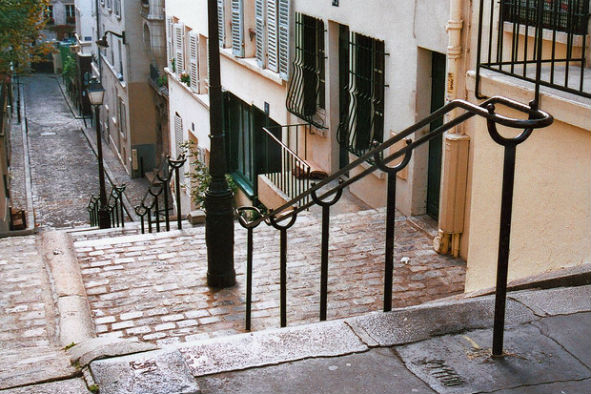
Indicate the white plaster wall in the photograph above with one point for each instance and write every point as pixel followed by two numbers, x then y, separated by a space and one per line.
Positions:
pixel 86 22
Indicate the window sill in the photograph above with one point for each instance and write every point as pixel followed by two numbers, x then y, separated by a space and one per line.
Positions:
pixel 115 73
pixel 251 64
pixel 201 98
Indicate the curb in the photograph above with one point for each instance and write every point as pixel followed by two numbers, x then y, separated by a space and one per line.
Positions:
pixel 75 321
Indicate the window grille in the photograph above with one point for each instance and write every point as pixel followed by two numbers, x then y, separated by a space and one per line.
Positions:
pixel 364 122
pixel 560 15
pixel 306 95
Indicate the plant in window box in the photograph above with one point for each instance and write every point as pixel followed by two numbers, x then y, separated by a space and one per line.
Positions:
pixel 173 65
pixel 186 79
pixel 199 176
pixel 162 81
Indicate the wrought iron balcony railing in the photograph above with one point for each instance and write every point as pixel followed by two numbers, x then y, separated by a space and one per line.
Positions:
pixel 285 157
pixel 285 216
pixel 540 41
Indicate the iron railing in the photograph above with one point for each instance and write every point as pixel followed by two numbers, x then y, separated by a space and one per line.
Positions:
pixel 285 216
pixel 542 42
pixel 305 97
pixel 115 207
pixel 157 201
pixel 285 158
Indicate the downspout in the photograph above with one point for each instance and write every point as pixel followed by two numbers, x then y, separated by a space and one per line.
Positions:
pixel 456 145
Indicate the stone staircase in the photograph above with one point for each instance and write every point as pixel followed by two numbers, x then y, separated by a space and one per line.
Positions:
pixel 152 287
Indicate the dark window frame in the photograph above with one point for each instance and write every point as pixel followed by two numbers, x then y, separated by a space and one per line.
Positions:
pixel 364 123
pixel 306 95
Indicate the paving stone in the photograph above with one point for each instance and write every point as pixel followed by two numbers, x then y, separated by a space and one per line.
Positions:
pixel 374 372
pixel 270 347
pixel 566 330
pixel 22 366
pixel 559 301
pixel 102 347
pixel 161 372
pixel 462 363
pixel 574 387
pixel 424 321
pixel 70 386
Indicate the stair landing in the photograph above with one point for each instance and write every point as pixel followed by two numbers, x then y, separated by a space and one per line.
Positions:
pixel 153 287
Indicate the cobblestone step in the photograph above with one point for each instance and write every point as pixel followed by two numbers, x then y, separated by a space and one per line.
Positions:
pixel 153 288
pixel 87 233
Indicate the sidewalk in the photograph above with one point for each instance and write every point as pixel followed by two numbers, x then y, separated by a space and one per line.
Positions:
pixel 438 348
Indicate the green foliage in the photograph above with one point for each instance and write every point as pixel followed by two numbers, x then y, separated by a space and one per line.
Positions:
pixel 69 70
pixel 162 80
pixel 94 388
pixel 199 175
pixel 173 63
pixel 21 22
pixel 186 79
pixel 71 345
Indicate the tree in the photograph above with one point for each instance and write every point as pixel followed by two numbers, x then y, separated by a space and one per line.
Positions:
pixel 21 23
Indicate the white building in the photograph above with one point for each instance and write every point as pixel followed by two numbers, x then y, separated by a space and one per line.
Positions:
pixel 129 116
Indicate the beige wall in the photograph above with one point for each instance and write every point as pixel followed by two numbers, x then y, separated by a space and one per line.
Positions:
pixel 142 114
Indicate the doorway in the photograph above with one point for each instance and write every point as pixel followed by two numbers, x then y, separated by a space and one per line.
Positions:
pixel 438 63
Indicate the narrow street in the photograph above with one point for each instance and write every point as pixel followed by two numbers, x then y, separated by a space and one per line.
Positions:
pixel 63 167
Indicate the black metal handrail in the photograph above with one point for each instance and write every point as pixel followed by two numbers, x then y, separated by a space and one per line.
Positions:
pixel 518 57
pixel 150 207
pixel 115 207
pixel 283 163
pixel 285 216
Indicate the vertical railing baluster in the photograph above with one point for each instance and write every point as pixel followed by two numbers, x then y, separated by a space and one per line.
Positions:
pixel 176 166
pixel 248 277
pixel 283 263
pixel 156 209
pixel 391 220
pixel 149 215
pixel 324 248
pixel 510 145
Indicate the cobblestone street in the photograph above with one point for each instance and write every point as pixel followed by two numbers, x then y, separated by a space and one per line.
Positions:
pixel 63 168
pixel 153 287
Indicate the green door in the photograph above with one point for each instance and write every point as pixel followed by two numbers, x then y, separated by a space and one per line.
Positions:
pixel 434 167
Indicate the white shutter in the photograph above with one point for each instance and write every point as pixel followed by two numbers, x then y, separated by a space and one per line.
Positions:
pixel 283 27
pixel 179 45
pixel 193 61
pixel 221 23
pixel 272 30
pixel 237 28
pixel 259 14
pixel 170 41
pixel 178 139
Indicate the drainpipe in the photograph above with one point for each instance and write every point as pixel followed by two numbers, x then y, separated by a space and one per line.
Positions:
pixel 455 145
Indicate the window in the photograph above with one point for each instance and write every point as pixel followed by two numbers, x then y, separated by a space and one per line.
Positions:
pixel 364 122
pixel 179 48
pixel 272 35
pixel 70 10
pixel 109 4
pixel 193 49
pixel 562 15
pixel 170 41
pixel 120 56
pixel 306 91
pixel 118 8
pixel 221 23
pixel 49 15
pixel 122 118
pixel 246 152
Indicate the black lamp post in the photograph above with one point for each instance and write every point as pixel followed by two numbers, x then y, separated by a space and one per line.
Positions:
pixel 96 92
pixel 219 215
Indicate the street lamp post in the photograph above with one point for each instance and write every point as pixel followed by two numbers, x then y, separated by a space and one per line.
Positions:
pixel 219 215
pixel 96 93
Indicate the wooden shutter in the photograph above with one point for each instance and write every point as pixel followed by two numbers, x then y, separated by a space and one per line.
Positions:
pixel 237 28
pixel 170 42
pixel 221 23
pixel 272 29
pixel 259 14
pixel 283 40
pixel 178 140
pixel 194 61
pixel 179 45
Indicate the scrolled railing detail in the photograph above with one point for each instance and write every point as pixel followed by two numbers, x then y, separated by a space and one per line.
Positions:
pixel 380 153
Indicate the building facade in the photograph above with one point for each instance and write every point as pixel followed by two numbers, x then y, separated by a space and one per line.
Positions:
pixel 128 114
pixel 61 23
pixel 309 87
